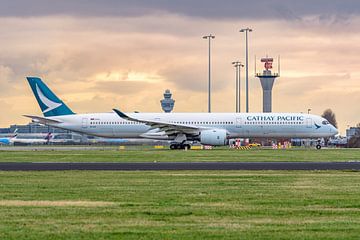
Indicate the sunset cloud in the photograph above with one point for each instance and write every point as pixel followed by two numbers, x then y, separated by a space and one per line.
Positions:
pixel 125 54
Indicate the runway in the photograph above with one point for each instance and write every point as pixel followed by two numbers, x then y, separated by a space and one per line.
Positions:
pixel 156 166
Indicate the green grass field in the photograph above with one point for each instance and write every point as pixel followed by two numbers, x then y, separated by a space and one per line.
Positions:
pixel 180 205
pixel 148 155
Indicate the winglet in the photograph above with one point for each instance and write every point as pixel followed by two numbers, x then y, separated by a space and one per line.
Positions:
pixel 121 114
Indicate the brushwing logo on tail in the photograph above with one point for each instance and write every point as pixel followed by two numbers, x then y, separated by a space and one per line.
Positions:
pixel 47 102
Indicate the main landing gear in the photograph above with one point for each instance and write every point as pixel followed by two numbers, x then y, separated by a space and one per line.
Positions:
pixel 175 146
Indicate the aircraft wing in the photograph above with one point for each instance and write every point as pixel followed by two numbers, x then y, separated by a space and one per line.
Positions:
pixel 42 120
pixel 168 128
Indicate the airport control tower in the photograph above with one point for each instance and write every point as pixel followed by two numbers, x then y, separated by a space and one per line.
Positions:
pixel 167 103
pixel 267 79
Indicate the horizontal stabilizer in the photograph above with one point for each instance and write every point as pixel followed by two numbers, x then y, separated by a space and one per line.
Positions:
pixel 42 120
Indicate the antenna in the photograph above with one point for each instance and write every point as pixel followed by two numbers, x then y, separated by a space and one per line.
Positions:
pixel 279 65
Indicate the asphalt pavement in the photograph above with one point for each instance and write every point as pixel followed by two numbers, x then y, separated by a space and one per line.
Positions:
pixel 154 166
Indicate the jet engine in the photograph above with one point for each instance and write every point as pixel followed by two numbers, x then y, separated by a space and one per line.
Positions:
pixel 214 137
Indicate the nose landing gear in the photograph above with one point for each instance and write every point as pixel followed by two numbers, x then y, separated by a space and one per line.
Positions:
pixel 318 144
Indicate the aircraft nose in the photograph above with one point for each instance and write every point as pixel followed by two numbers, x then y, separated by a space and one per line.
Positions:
pixel 333 130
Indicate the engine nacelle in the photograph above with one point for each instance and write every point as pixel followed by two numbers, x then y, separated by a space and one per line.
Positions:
pixel 214 137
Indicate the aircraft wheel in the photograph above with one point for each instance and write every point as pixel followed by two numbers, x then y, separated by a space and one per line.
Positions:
pixel 318 147
pixel 180 146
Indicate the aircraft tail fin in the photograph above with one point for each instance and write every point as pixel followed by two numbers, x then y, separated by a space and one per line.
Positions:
pixel 49 103
pixel 15 133
pixel 48 137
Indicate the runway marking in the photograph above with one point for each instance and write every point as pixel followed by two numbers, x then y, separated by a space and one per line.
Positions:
pixel 62 203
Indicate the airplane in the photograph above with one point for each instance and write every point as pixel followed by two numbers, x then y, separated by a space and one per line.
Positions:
pixel 44 140
pixel 15 140
pixel 8 140
pixel 181 129
pixel 5 141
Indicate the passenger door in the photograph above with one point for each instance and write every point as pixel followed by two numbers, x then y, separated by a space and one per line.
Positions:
pixel 308 122
pixel 84 123
pixel 238 122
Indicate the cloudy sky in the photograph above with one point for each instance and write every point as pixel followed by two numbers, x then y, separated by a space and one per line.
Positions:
pixel 101 54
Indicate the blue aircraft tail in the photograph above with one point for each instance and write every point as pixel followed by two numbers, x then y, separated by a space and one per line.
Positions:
pixel 49 103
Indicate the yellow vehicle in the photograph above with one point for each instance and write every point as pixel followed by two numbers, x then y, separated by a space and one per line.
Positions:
pixel 254 145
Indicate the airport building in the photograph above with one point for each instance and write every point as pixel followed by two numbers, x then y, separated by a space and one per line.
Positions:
pixel 167 104
pixel 38 131
pixel 352 131
pixel 32 128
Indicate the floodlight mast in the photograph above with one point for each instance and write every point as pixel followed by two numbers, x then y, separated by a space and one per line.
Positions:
pixel 209 37
pixel 237 65
pixel 246 30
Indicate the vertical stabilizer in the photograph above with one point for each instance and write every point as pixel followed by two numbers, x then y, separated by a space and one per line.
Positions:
pixel 49 103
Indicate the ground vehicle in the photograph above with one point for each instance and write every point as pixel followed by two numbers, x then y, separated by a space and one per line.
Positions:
pixel 254 145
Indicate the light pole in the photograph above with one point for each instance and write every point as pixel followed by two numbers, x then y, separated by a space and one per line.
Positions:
pixel 237 66
pixel 209 88
pixel 239 69
pixel 246 30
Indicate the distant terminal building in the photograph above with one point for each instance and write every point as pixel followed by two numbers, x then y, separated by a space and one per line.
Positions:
pixel 167 104
pixel 267 79
pixel 4 130
pixel 352 131
pixel 32 128
pixel 36 130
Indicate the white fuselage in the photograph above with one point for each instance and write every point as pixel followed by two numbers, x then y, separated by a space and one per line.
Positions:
pixel 11 141
pixel 29 141
pixel 237 125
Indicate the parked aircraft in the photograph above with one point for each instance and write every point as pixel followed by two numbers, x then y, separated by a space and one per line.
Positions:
pixel 8 140
pixel 16 140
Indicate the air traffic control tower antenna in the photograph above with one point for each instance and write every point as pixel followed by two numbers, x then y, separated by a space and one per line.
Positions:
pixel 267 79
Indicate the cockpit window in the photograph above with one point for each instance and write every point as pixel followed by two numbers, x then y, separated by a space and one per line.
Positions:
pixel 325 122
